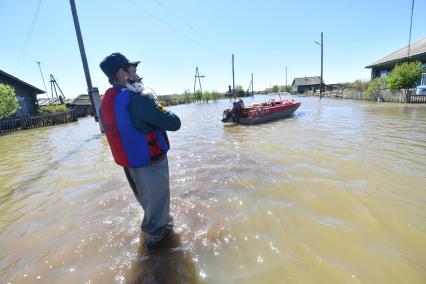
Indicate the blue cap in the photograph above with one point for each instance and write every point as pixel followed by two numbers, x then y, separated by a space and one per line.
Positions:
pixel 115 61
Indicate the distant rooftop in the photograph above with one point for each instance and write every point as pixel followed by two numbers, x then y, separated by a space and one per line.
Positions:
pixel 416 49
pixel 306 81
pixel 52 101
pixel 81 100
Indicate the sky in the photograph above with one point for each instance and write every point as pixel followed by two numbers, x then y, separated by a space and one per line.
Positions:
pixel 172 38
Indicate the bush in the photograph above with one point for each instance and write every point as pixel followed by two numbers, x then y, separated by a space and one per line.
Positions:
pixel 404 75
pixel 188 96
pixel 359 85
pixel 216 96
pixel 373 87
pixel 52 109
pixel 8 103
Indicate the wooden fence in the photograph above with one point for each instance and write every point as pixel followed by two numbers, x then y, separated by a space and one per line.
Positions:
pixel 416 99
pixel 14 124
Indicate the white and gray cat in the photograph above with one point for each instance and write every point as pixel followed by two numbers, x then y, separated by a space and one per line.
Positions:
pixel 139 88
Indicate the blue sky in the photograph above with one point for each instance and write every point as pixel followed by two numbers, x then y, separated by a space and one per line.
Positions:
pixel 171 38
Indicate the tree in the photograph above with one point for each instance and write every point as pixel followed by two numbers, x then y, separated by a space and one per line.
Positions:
pixel 404 75
pixel 239 92
pixel 374 87
pixel 198 96
pixel 188 96
pixel 8 103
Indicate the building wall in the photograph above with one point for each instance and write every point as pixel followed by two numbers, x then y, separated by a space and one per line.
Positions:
pixel 81 111
pixel 24 95
pixel 381 71
pixel 304 89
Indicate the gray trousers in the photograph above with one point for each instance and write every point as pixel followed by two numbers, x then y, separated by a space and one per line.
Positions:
pixel 151 187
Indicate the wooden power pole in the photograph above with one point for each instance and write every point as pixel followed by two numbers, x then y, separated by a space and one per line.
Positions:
pixel 198 76
pixel 93 91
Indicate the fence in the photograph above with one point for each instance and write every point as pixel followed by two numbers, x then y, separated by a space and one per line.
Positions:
pixel 416 98
pixel 14 124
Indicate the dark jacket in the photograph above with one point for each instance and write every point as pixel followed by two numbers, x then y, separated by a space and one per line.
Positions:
pixel 147 115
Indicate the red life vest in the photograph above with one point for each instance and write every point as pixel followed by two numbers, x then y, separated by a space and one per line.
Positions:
pixel 130 147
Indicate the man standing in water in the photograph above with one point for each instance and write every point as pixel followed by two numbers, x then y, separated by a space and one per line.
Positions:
pixel 135 126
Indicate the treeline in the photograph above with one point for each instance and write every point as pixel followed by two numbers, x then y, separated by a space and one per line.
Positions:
pixel 187 98
pixel 205 97
pixel 278 88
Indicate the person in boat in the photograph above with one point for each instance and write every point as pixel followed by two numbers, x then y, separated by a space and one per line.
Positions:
pixel 235 112
pixel 135 127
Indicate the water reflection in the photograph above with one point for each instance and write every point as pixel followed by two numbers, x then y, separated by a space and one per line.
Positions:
pixel 169 262
pixel 334 194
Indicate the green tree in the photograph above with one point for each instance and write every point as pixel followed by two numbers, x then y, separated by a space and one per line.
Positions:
pixel 404 75
pixel 188 96
pixel 275 89
pixel 207 96
pixel 359 85
pixel 52 109
pixel 239 91
pixel 8 103
pixel 373 87
pixel 198 96
pixel 216 96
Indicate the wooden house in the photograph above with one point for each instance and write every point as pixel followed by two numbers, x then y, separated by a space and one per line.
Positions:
pixel 382 67
pixel 305 84
pixel 81 106
pixel 26 94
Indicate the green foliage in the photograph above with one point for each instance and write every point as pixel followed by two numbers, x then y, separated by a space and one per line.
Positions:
pixel 404 75
pixel 278 88
pixel 359 85
pixel 188 96
pixel 216 96
pixel 8 103
pixel 373 87
pixel 52 109
pixel 275 89
pixel 207 96
pixel 239 91
pixel 198 96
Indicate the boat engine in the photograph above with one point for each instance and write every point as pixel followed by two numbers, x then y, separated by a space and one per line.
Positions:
pixel 233 115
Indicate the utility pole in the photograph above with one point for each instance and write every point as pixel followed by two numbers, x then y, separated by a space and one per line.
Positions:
pixel 321 83
pixel 252 91
pixel 250 87
pixel 197 75
pixel 286 77
pixel 411 25
pixel 53 86
pixel 93 91
pixel 233 77
pixel 42 77
pixel 322 65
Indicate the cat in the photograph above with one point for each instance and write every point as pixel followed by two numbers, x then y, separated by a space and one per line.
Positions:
pixel 139 88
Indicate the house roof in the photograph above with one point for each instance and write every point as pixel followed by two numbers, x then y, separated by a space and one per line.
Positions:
pixel 417 48
pixel 81 100
pixel 307 81
pixel 36 90
pixel 52 101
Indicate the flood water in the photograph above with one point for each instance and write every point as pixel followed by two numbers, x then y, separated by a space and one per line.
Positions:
pixel 334 194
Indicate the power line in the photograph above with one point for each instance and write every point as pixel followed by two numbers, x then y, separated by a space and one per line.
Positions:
pixel 174 29
pixel 184 22
pixel 29 36
pixel 161 21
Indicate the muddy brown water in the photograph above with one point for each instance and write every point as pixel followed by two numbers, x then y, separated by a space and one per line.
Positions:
pixel 334 194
